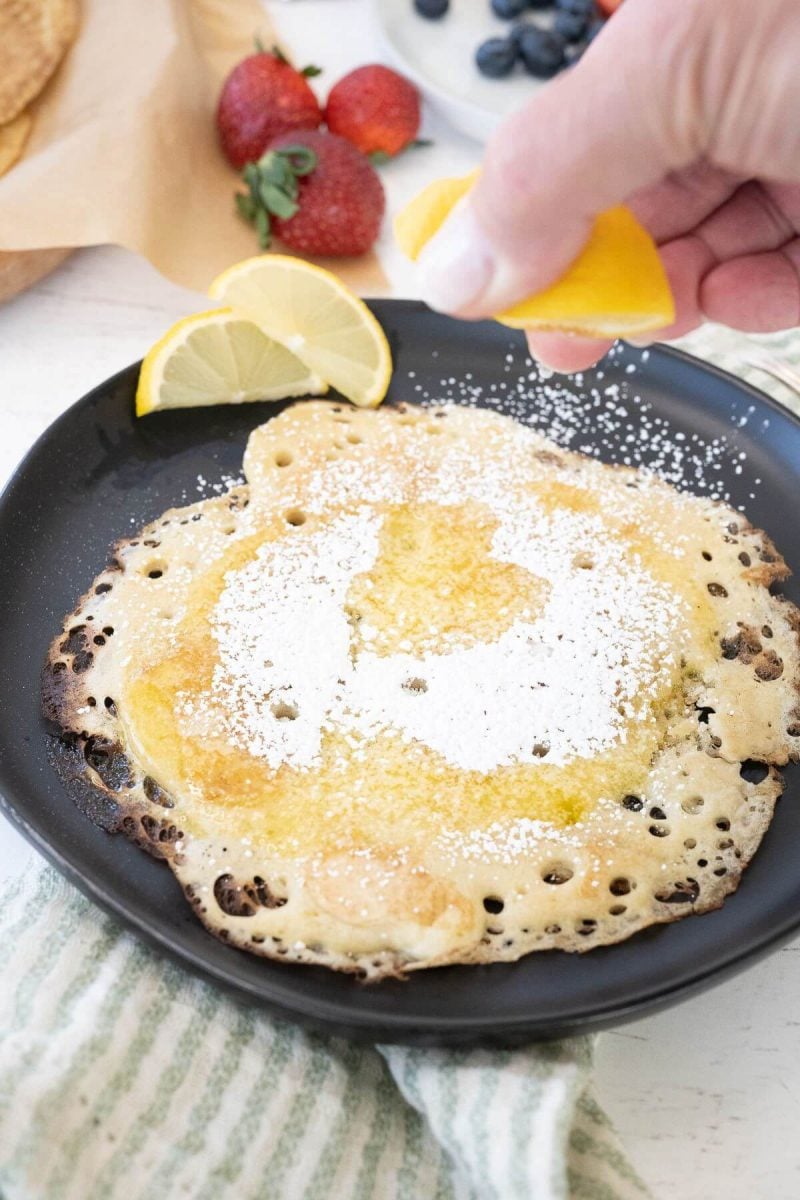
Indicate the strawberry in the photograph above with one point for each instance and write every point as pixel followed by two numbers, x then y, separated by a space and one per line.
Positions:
pixel 263 97
pixel 607 7
pixel 317 193
pixel 376 109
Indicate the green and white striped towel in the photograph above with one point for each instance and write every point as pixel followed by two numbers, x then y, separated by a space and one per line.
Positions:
pixel 124 1078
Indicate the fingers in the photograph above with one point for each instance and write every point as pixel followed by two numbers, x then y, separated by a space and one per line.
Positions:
pixel 736 266
pixel 686 261
pixel 566 354
pixel 758 293
pixel 679 203
pixel 585 142
pixel 750 222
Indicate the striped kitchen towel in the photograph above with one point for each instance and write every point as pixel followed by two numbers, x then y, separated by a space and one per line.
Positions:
pixel 122 1077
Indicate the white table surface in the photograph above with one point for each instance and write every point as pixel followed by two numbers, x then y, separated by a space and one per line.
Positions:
pixel 706 1096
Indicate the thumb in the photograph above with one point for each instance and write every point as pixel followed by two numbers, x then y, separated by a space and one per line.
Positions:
pixel 609 125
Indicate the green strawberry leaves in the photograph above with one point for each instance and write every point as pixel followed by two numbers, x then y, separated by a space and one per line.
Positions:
pixel 379 158
pixel 307 72
pixel 272 188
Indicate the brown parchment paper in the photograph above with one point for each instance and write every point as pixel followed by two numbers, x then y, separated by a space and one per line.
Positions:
pixel 124 147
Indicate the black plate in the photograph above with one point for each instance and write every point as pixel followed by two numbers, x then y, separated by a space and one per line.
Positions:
pixel 96 468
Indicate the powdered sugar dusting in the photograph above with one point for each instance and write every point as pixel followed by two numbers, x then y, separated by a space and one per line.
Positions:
pixel 521 699
pixel 283 639
pixel 562 684
pixel 606 417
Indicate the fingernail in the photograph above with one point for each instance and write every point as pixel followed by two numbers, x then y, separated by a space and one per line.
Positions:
pixel 458 264
pixel 642 341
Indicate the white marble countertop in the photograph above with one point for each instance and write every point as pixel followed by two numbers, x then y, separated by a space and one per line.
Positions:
pixel 705 1095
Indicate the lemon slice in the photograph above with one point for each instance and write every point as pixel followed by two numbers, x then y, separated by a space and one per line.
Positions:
pixel 616 286
pixel 318 318
pixel 220 358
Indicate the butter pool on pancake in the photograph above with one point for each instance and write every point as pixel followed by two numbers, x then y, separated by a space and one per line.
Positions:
pixel 432 690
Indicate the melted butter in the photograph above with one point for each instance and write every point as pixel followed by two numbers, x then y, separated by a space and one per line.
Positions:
pixel 435 585
pixel 433 577
pixel 382 792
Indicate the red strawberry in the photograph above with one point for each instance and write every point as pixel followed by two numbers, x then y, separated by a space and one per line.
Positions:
pixel 607 7
pixel 263 97
pixel 317 193
pixel 374 108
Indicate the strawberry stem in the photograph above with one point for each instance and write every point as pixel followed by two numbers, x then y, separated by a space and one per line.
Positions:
pixel 272 188
pixel 379 158
pixel 307 72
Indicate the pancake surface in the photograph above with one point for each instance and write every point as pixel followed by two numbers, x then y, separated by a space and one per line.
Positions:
pixel 429 690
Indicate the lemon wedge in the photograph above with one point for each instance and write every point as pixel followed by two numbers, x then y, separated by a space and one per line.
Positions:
pixel 422 217
pixel 616 287
pixel 220 358
pixel 315 316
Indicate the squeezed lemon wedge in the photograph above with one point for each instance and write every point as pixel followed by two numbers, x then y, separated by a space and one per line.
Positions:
pixel 616 287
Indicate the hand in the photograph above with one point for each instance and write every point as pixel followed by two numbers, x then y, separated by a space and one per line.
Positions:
pixel 688 111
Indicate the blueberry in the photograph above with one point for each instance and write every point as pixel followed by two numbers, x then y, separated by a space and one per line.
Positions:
pixel 575 52
pixel 582 8
pixel 496 57
pixel 540 3
pixel 516 32
pixel 571 25
pixel 432 9
pixel 577 49
pixel 542 52
pixel 508 9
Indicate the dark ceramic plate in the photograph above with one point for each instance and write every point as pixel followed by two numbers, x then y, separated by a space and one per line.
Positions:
pixel 96 468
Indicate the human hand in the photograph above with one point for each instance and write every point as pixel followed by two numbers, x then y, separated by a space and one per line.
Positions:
pixel 686 110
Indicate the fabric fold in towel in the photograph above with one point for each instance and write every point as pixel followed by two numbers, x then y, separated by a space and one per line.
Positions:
pixel 123 1077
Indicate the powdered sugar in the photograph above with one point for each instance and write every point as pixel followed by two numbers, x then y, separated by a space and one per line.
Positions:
pixel 560 685
pixel 283 639
pixel 606 418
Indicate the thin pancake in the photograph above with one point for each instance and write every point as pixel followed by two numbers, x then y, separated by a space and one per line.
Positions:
pixel 433 690
pixel 34 36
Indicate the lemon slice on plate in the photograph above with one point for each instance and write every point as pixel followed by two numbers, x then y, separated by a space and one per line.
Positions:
pixel 220 357
pixel 616 287
pixel 318 318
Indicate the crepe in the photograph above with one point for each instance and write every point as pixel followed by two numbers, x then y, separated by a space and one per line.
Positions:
pixel 431 690
pixel 13 137
pixel 34 36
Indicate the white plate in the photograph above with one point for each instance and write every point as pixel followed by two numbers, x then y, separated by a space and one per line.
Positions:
pixel 439 57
